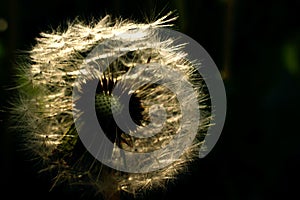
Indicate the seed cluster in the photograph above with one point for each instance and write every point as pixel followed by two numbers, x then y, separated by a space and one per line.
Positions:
pixel 44 108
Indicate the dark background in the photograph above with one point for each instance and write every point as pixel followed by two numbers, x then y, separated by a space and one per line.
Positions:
pixel 255 44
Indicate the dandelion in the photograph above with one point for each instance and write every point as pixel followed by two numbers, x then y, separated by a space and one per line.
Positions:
pixel 126 61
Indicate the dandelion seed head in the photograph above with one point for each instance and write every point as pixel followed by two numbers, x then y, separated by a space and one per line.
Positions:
pixel 59 62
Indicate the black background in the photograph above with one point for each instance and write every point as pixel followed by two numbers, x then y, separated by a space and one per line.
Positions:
pixel 256 47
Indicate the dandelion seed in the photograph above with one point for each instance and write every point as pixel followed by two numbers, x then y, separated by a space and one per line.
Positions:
pixel 142 59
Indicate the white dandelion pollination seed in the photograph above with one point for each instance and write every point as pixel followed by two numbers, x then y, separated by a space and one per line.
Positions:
pixel 138 61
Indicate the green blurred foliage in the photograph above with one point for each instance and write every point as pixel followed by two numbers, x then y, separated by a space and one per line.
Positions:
pixel 290 54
